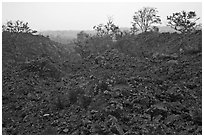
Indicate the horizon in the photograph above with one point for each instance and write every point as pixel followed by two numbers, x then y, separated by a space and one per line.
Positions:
pixel 68 16
pixel 160 26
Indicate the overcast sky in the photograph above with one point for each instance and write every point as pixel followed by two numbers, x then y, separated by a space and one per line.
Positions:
pixel 83 16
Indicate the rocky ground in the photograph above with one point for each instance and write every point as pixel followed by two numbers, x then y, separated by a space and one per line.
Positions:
pixel 110 93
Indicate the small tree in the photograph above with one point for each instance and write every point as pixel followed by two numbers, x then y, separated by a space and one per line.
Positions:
pixel 108 29
pixel 183 21
pixel 81 43
pixel 144 18
pixel 18 27
pixel 134 29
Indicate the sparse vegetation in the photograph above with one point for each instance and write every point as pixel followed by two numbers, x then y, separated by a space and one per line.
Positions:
pixel 18 27
pixel 109 29
pixel 183 21
pixel 138 85
pixel 144 19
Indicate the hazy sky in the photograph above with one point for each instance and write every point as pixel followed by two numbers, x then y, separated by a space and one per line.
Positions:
pixel 83 16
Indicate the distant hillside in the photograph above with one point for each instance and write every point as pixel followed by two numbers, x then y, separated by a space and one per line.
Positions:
pixel 66 36
pixel 166 29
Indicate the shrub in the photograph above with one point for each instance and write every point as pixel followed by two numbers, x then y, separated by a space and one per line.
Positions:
pixel 183 21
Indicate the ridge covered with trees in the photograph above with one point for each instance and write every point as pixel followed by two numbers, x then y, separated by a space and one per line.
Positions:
pixel 114 82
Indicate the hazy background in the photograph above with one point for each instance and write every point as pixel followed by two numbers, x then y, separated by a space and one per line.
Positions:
pixel 83 16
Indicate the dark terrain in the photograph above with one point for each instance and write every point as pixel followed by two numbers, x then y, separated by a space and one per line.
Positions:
pixel 146 84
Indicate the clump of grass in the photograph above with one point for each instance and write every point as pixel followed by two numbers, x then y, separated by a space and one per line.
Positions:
pixel 59 102
pixel 74 95
pixel 85 101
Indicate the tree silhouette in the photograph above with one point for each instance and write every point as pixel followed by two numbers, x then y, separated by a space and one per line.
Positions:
pixel 108 29
pixel 183 21
pixel 18 27
pixel 144 18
